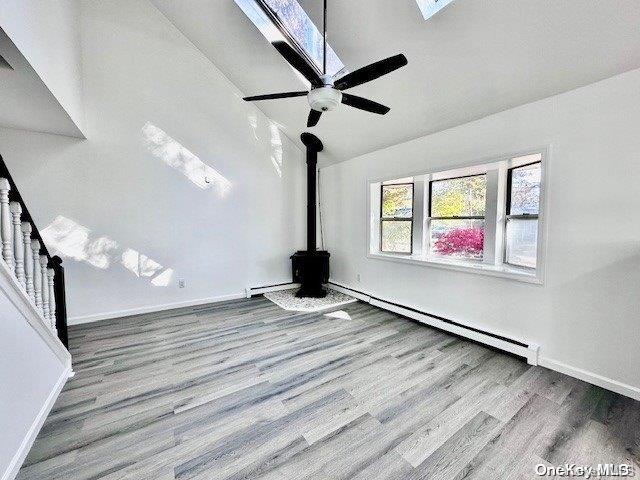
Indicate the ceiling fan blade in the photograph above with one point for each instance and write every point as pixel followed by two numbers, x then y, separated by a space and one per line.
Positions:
pixel 271 96
pixel 296 61
pixel 371 72
pixel 314 118
pixel 364 104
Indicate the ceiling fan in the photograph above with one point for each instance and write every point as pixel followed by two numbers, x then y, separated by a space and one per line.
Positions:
pixel 326 93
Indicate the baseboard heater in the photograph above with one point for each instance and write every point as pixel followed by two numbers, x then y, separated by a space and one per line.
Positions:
pixel 251 291
pixel 516 347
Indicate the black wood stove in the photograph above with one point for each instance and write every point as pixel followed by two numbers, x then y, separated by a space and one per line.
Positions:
pixel 311 266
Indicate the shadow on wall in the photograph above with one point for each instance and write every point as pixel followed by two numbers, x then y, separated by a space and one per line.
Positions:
pixel 174 154
pixel 69 239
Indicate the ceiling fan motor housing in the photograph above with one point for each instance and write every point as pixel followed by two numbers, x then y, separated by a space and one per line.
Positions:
pixel 324 99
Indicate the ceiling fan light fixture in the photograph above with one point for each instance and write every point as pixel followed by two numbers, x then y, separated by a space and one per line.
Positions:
pixel 324 99
pixel 325 95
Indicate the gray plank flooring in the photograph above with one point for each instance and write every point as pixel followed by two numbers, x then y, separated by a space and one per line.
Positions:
pixel 245 390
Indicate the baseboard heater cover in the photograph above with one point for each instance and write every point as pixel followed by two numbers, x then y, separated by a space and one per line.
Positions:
pixel 251 291
pixel 516 347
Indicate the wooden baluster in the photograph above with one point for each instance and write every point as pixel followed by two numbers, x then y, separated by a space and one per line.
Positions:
pixel 52 299
pixel 28 259
pixel 5 223
pixel 45 286
pixel 18 246
pixel 37 274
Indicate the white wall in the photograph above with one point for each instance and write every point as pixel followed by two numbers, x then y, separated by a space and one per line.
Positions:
pixel 586 314
pixel 47 33
pixel 33 369
pixel 124 190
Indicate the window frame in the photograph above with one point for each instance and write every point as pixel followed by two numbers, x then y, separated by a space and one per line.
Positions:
pixel 429 217
pixel 525 216
pixel 288 36
pixel 383 219
pixel 495 166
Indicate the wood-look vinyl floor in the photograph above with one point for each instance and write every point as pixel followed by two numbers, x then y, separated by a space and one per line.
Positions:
pixel 245 390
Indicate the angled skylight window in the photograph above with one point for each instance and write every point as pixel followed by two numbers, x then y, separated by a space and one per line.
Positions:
pixel 430 7
pixel 287 20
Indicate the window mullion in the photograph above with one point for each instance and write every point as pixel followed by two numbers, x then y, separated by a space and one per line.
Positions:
pixel 491 216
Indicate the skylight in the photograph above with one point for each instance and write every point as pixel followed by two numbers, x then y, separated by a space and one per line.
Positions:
pixel 287 20
pixel 430 7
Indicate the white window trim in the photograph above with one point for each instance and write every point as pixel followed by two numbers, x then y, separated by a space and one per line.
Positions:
pixel 491 266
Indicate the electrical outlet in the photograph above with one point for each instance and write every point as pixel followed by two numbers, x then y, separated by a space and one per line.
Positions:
pixel 358 277
pixel 182 283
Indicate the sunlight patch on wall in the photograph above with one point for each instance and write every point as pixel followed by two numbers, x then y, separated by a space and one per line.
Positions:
pixel 276 148
pixel 163 279
pixel 138 264
pixel 253 123
pixel 71 240
pixel 174 154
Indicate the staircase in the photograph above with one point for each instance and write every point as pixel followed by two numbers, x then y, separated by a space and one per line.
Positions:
pixel 39 275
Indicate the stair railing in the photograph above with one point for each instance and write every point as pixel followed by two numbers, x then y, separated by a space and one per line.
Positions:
pixel 38 274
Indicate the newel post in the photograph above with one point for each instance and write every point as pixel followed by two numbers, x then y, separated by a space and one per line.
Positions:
pixel 60 299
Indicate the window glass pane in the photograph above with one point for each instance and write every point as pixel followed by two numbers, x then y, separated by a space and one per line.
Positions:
pixel 397 201
pixel 304 31
pixel 396 236
pixel 459 197
pixel 457 238
pixel 522 242
pixel 525 189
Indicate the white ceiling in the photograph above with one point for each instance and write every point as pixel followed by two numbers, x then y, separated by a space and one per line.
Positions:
pixel 26 102
pixel 474 58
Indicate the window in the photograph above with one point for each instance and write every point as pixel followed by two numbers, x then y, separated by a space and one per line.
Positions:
pixel 484 218
pixel 523 205
pixel 396 219
pixel 456 216
pixel 286 20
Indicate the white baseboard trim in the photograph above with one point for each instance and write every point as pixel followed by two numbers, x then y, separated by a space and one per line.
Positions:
pixel 18 459
pixel 152 308
pixel 251 291
pixel 593 378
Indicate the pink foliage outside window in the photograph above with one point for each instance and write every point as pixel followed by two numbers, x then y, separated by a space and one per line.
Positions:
pixel 461 241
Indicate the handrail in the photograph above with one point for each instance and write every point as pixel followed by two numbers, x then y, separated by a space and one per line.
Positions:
pixel 14 195
pixel 54 262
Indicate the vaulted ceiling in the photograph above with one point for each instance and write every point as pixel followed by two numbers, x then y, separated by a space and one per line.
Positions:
pixel 474 58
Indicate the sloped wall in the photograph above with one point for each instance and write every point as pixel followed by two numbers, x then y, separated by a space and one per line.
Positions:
pixel 48 35
pixel 178 177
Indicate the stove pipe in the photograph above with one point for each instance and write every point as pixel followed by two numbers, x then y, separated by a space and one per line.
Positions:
pixel 314 145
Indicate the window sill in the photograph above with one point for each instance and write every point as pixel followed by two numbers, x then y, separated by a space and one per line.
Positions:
pixel 502 271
